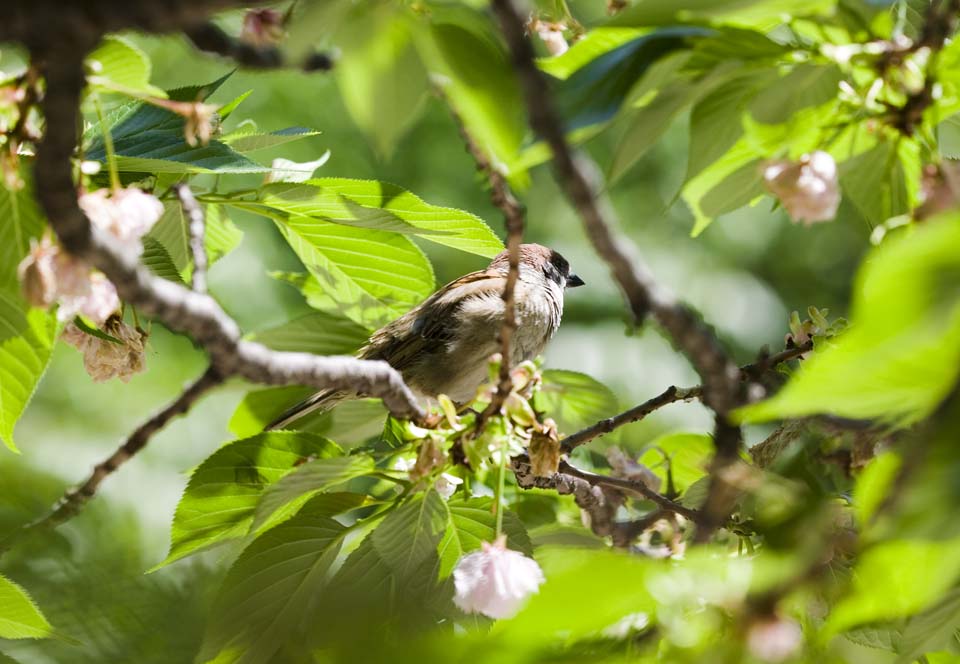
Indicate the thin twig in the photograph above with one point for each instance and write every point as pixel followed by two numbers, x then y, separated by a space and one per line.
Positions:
pixel 74 500
pixel 670 395
pixel 197 228
pixel 674 394
pixel 503 198
pixel 631 485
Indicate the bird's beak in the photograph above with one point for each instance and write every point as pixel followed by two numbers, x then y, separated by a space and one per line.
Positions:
pixel 573 281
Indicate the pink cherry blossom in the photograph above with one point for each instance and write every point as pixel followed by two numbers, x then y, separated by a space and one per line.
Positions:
pixel 495 581
pixel 774 639
pixel 97 302
pixel 807 188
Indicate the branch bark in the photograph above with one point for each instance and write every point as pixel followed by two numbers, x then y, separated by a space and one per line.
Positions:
pixel 197 234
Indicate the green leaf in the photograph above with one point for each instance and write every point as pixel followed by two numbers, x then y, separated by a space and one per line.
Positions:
pixel 290 492
pixel 380 69
pixel 260 407
pixel 158 260
pixel 715 121
pixel 900 356
pixel 172 232
pixel 805 86
pixel 150 139
pixel 462 50
pixel 595 92
pixel 895 579
pixel 27 337
pixel 873 485
pixel 410 534
pixel 269 587
pixel 760 14
pixel 471 521
pixel 876 181
pixel 318 333
pixel 370 277
pixel 382 206
pixel 688 454
pixel 21 220
pixel 119 66
pixel 931 630
pixel 595 43
pixel 713 179
pixel 574 400
pixel 601 575
pixel 222 495
pixel 247 139
pixel 19 616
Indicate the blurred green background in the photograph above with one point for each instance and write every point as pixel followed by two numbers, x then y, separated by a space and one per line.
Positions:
pixel 745 274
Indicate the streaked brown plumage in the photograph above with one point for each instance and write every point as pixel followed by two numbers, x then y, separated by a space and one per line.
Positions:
pixel 443 345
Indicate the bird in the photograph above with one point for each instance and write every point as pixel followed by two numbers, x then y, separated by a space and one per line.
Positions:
pixel 444 344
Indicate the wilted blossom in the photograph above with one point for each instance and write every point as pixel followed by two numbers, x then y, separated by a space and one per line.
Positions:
pixel 544 450
pixel 429 456
pixel 446 485
pixel 551 34
pixel 495 581
pixel 201 123
pixel 774 639
pixel 48 274
pixel 127 214
pixel 262 27
pixel 105 359
pixel 807 188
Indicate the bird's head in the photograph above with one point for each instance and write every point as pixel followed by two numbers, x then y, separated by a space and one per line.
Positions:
pixel 542 260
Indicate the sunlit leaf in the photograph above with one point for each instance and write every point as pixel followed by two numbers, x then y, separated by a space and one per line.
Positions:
pixel 117 65
pixel 172 232
pixel 686 455
pixel 574 400
pixel 19 616
pixel 901 354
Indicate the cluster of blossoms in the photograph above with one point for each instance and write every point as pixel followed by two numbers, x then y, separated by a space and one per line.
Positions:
pixel 808 188
pixel 49 275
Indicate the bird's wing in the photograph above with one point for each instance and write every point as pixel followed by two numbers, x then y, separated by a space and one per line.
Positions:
pixel 432 322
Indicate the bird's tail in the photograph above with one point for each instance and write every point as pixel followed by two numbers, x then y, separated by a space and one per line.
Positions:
pixel 321 401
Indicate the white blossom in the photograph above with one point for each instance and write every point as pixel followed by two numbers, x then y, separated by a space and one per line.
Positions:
pixel 495 581
pixel 105 359
pixel 774 639
pixel 807 188
pixel 446 485
pixel 128 214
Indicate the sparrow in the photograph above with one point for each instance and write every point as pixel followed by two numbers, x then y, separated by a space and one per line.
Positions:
pixel 443 345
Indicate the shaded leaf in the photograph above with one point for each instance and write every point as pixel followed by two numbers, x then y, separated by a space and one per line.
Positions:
pixel 222 495
pixel 471 521
pixel 688 454
pixel 409 535
pixel 250 141
pixel 574 400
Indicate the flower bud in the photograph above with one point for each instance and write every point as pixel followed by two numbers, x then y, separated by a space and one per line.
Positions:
pixel 519 410
pixel 807 188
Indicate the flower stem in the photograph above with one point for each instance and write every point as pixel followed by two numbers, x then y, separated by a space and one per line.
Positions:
pixel 107 144
pixel 501 481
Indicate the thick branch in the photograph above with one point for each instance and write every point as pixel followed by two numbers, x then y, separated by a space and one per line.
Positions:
pixel 180 309
pixel 577 177
pixel 197 234
pixel 75 499
pixel 210 38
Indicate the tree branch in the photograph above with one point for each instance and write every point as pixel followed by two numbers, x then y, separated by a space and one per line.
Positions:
pixel 577 176
pixel 180 309
pixel 197 233
pixel 210 38
pixel 673 394
pixel 75 499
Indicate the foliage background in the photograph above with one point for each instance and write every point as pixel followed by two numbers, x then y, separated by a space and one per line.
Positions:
pixel 745 273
